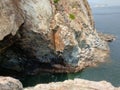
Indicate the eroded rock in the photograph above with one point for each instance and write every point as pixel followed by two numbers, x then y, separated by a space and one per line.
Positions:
pixel 55 36
pixel 11 17
pixel 107 37
pixel 67 38
pixel 8 83
pixel 76 84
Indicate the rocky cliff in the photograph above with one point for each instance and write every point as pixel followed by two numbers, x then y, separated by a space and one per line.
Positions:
pixel 52 36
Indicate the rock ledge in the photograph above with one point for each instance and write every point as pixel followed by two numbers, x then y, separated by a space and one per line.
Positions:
pixel 76 84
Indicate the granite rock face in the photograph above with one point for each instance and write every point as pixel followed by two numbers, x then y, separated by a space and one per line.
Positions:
pixel 77 84
pixel 8 83
pixel 54 35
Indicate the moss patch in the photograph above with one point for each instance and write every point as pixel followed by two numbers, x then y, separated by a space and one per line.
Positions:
pixel 72 16
pixel 56 1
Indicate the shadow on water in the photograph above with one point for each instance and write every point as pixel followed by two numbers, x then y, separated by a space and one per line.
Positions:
pixel 47 78
pixel 93 73
pixel 43 78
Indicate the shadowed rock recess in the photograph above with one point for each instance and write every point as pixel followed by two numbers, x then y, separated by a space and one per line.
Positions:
pixel 55 36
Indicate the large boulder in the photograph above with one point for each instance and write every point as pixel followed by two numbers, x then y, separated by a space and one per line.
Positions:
pixel 8 83
pixel 54 35
pixel 77 84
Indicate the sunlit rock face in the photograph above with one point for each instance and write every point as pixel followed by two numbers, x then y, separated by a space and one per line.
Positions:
pixel 55 35
pixel 8 83
pixel 11 17
pixel 77 84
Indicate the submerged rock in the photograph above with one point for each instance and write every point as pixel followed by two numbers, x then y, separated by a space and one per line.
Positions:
pixel 55 36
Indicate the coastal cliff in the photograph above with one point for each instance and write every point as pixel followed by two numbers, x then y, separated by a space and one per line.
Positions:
pixel 56 36
pixel 51 35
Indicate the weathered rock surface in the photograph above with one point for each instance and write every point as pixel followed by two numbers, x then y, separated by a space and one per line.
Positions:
pixel 55 36
pixel 8 83
pixel 10 17
pixel 107 37
pixel 77 84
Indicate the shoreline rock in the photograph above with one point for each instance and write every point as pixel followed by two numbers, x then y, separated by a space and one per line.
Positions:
pixel 76 84
pixel 107 37
pixel 8 83
pixel 50 36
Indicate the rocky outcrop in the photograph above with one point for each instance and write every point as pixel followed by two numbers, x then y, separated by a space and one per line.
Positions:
pixel 10 17
pixel 8 83
pixel 107 37
pixel 77 84
pixel 54 35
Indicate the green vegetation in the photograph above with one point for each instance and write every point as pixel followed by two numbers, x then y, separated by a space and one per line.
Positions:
pixel 72 16
pixel 56 1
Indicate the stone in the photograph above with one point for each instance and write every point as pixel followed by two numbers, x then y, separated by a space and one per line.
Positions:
pixel 76 84
pixel 11 17
pixel 54 36
pixel 107 37
pixel 8 83
pixel 61 37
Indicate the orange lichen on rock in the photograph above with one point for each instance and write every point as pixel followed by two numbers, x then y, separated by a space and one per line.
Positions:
pixel 58 43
